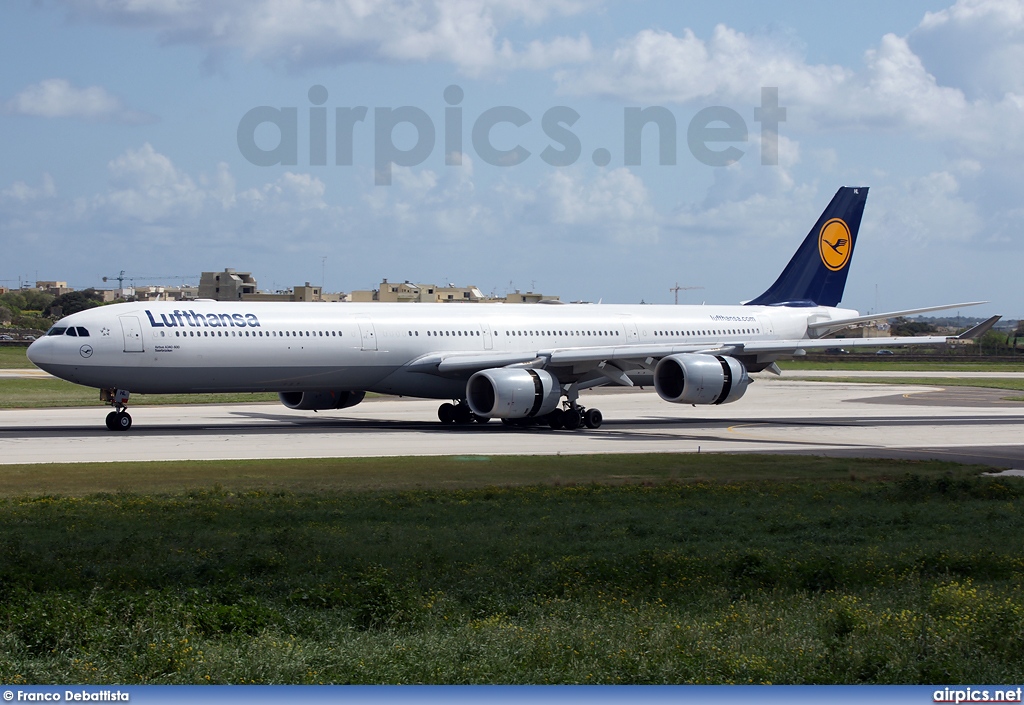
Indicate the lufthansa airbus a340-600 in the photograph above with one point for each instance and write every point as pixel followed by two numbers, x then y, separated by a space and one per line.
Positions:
pixel 523 364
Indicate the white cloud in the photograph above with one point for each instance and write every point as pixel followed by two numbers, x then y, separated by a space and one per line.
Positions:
pixel 657 66
pixel 894 90
pixel 291 192
pixel 612 204
pixel 149 188
pixel 23 193
pixel 976 46
pixel 925 211
pixel 57 98
pixel 326 32
pixel 540 55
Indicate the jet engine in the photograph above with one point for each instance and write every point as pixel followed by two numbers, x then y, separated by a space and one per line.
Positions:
pixel 512 393
pixel 318 401
pixel 694 378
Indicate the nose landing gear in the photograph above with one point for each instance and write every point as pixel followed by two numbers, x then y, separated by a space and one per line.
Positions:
pixel 119 419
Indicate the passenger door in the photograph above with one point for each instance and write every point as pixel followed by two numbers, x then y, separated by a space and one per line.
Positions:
pixel 132 330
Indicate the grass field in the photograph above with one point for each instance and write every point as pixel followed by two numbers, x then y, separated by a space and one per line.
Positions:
pixel 604 569
pixel 986 382
pixel 50 393
pixel 13 357
pixel 889 363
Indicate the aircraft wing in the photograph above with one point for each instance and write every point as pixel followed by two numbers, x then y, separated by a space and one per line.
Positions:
pixel 823 327
pixel 466 363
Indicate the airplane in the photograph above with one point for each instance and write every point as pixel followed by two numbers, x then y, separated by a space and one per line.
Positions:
pixel 523 364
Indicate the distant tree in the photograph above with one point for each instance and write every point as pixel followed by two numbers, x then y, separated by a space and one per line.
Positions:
pixel 6 315
pixel 13 300
pixel 994 343
pixel 73 302
pixel 32 320
pixel 36 300
pixel 901 326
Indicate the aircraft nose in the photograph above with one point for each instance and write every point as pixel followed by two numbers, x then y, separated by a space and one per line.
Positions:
pixel 33 352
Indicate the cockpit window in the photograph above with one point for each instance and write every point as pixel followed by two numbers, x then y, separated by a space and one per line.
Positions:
pixel 82 332
pixel 55 331
pixel 71 331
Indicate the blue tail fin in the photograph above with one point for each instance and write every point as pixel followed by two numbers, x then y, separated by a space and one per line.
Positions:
pixel 816 276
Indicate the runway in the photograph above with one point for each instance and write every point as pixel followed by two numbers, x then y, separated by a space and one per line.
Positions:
pixel 962 424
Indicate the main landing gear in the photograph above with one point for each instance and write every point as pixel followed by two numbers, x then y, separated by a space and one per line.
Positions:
pixel 118 419
pixel 458 413
pixel 572 417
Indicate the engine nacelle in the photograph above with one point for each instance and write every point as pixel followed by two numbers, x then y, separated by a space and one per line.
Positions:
pixel 512 393
pixel 319 401
pixel 694 378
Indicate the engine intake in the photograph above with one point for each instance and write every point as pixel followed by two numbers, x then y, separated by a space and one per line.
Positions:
pixel 512 393
pixel 319 401
pixel 694 378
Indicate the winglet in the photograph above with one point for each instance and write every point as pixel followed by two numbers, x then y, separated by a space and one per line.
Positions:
pixel 978 330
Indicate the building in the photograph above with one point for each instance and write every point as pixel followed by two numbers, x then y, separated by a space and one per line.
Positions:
pixel 408 292
pixel 228 285
pixel 867 329
pixel 54 288
pixel 166 293
pixel 307 292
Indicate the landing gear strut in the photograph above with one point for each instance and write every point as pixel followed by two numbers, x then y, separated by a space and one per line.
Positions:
pixel 118 419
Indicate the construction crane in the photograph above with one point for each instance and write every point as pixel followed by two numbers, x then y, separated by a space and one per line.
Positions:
pixel 121 279
pixel 678 288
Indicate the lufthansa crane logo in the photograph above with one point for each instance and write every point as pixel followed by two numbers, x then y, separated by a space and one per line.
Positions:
pixel 835 244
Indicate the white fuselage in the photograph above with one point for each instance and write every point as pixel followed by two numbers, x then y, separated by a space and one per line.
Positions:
pixel 199 346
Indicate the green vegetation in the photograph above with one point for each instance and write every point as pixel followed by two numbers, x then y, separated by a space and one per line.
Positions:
pixel 25 309
pixel 12 357
pixel 987 382
pixel 47 392
pixel 448 473
pixel 656 569
pixel 940 364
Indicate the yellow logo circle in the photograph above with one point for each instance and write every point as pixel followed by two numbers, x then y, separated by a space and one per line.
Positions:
pixel 835 244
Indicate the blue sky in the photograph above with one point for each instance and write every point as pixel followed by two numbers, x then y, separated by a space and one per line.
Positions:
pixel 120 151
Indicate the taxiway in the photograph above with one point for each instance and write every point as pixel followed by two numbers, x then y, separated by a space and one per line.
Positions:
pixel 964 424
